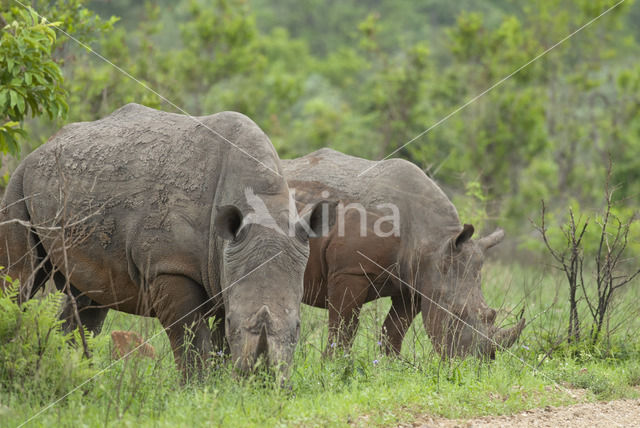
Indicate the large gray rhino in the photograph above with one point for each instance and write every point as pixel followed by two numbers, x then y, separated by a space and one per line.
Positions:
pixel 164 215
pixel 396 235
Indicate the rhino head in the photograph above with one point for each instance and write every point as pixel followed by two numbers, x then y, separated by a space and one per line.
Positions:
pixel 264 264
pixel 455 313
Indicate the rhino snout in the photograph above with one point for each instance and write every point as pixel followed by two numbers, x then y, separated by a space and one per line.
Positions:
pixel 256 350
pixel 259 345
pixel 262 349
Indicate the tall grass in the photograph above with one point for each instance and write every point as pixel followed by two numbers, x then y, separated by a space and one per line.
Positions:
pixel 363 387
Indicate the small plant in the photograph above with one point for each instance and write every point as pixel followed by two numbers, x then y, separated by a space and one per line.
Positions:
pixel 612 264
pixel 571 261
pixel 36 358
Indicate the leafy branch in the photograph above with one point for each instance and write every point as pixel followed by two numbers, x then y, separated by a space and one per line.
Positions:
pixel 30 80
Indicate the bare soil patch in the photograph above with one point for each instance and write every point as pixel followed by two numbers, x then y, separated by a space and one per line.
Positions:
pixel 617 413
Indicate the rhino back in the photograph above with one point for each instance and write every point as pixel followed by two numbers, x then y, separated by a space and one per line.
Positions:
pixel 426 213
pixel 141 185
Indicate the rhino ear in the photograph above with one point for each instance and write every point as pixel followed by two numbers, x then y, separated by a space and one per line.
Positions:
pixel 227 222
pixel 318 221
pixel 464 236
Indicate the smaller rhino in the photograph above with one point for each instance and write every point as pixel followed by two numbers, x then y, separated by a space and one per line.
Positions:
pixel 396 235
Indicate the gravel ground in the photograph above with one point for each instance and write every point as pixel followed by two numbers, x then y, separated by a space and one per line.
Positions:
pixel 617 413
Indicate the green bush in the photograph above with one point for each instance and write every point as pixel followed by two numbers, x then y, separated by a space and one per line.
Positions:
pixel 37 359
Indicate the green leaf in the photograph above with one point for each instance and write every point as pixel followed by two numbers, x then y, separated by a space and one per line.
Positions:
pixel 53 111
pixel 21 105
pixel 10 144
pixel 14 98
pixel 33 105
pixel 38 76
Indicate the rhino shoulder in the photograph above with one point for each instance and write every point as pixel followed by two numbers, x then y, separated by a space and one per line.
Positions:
pixel 407 175
pixel 130 108
pixel 137 116
pixel 236 129
pixel 233 117
pixel 229 122
pixel 327 163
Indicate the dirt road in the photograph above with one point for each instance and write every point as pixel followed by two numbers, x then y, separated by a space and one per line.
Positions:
pixel 612 414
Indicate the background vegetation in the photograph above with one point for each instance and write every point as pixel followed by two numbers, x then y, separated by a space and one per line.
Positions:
pixel 365 78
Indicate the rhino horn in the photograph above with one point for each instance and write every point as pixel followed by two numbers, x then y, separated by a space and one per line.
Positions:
pixel 261 318
pixel 263 345
pixel 491 240
pixel 507 337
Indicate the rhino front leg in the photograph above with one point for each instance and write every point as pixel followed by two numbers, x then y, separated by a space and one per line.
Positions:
pixel 403 310
pixel 91 315
pixel 346 295
pixel 180 305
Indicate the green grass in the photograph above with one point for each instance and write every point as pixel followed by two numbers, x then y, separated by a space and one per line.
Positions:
pixel 353 389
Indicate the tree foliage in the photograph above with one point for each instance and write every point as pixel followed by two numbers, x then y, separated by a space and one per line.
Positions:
pixel 33 49
pixel 30 81
pixel 368 77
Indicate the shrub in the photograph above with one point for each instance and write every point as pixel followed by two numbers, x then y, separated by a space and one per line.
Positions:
pixel 36 358
pixel 608 242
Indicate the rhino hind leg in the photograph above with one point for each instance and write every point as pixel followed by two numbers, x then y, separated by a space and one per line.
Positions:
pixel 401 314
pixel 21 254
pixel 346 296
pixel 91 315
pixel 25 260
pixel 179 304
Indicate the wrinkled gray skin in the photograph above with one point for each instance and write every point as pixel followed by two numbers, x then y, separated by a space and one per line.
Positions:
pixel 152 204
pixel 433 266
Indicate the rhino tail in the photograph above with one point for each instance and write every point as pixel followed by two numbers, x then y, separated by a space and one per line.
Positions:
pixel 22 255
